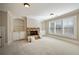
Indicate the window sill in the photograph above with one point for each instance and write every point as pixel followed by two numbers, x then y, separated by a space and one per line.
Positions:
pixel 62 35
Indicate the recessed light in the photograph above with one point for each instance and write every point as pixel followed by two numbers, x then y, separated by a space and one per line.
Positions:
pixel 51 13
pixel 26 5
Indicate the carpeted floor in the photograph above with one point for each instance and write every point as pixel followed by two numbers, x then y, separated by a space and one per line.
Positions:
pixel 43 46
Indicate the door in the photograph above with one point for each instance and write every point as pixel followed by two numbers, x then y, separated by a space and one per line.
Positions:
pixel 3 28
pixel 0 30
pixel 0 37
pixel 0 41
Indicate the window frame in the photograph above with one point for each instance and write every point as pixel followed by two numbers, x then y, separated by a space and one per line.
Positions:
pixel 62 34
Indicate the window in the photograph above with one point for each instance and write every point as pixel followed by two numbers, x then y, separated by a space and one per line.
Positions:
pixel 59 26
pixel 68 26
pixel 63 26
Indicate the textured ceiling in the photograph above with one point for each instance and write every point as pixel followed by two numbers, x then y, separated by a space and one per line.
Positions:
pixel 41 11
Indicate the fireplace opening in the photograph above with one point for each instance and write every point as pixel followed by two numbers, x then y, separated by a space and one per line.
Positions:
pixel 33 32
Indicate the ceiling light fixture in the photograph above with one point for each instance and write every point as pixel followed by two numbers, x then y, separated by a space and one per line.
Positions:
pixel 26 5
pixel 51 14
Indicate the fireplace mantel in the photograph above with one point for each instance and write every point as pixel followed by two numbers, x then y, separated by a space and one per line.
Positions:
pixel 33 29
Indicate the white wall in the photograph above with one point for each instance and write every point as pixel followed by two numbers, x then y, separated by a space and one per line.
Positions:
pixel 32 23
pixel 43 28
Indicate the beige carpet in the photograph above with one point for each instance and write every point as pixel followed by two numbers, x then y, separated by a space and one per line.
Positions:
pixel 43 46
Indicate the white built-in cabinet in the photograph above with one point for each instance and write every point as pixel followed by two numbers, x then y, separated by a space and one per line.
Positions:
pixel 19 28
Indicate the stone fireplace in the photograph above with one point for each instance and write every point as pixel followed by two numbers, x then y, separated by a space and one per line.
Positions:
pixel 33 32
